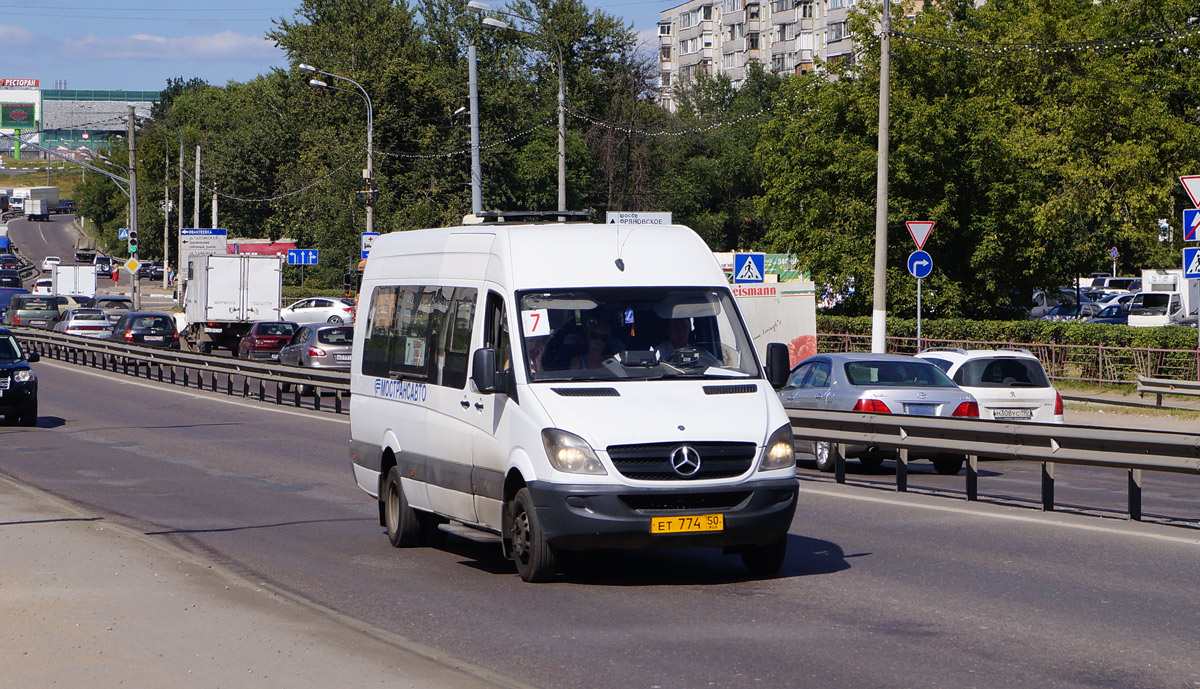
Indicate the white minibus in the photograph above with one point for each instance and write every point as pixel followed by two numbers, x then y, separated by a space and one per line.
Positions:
pixel 567 386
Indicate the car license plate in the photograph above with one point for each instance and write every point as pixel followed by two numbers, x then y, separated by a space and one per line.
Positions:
pixel 274 357
pixel 1016 414
pixel 153 338
pixel 341 357
pixel 688 524
pixel 37 321
pixel 213 330
pixel 921 409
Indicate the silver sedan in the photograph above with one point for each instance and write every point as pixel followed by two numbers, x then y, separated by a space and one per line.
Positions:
pixel 875 383
pixel 84 322
pixel 318 346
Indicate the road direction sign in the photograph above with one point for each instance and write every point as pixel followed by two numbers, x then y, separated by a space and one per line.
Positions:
pixel 920 264
pixel 749 267
pixel 303 257
pixel 920 230
pixel 1191 221
pixel 1191 262
pixel 1191 184
pixel 368 239
pixel 637 218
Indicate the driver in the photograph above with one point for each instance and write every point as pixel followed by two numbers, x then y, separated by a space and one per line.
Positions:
pixel 678 332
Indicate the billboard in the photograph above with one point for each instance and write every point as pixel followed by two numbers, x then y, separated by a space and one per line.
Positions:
pixel 18 116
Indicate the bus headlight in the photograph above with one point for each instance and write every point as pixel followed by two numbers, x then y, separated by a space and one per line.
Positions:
pixel 570 453
pixel 780 452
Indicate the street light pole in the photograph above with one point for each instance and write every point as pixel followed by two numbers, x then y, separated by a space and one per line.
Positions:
pixel 494 23
pixel 476 171
pixel 133 219
pixel 369 173
pixel 879 311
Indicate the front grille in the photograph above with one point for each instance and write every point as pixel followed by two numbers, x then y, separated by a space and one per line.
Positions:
pixel 652 461
pixel 5 382
pixel 687 501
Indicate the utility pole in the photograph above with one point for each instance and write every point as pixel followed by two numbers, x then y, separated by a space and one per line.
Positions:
pixel 196 208
pixel 179 247
pixel 166 213
pixel 879 312
pixel 133 219
pixel 476 173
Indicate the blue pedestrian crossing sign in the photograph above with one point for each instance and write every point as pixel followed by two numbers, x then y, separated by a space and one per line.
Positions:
pixel 123 234
pixel 920 264
pixel 749 267
pixel 1191 262
pixel 303 257
pixel 1191 221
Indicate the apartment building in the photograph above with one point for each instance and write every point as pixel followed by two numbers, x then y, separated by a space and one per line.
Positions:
pixel 725 36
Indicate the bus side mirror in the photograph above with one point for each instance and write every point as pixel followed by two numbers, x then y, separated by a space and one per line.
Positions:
pixel 778 366
pixel 483 370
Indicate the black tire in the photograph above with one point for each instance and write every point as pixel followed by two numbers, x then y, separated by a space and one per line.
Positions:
pixel 767 559
pixel 871 461
pixel 400 520
pixel 29 416
pixel 826 454
pixel 285 387
pixel 530 551
pixel 305 390
pixel 948 466
pixel 335 319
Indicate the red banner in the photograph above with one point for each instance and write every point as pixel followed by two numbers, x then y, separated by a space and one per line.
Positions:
pixel 19 83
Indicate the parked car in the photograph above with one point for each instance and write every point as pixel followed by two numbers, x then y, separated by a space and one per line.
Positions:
pixel 18 384
pixel 152 270
pixel 1113 313
pixel 876 383
pixel 49 262
pixel 43 287
pixel 1009 384
pixel 10 278
pixel 265 339
pixel 1045 300
pixel 85 322
pixel 32 311
pixel 319 310
pixel 1071 311
pixel 114 307
pixel 149 328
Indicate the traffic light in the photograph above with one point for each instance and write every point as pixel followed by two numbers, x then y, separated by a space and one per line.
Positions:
pixel 133 241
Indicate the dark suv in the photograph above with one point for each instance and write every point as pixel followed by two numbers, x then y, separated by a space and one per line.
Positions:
pixel 18 384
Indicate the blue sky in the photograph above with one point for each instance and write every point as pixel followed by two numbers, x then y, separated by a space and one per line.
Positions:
pixel 139 44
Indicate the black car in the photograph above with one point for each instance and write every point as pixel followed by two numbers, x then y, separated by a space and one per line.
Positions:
pixel 150 269
pixel 18 384
pixel 150 328
pixel 10 278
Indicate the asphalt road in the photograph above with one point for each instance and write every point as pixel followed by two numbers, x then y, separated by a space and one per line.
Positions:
pixel 879 589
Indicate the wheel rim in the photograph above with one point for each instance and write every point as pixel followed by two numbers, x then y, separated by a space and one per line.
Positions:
pixel 335 319
pixel 520 535
pixel 821 451
pixel 393 508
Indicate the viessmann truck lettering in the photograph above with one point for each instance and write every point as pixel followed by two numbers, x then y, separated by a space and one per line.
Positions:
pixel 567 386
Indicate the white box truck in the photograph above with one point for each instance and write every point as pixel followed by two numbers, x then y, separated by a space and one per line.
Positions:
pixel 1167 297
pixel 225 295
pixel 36 202
pixel 565 387
pixel 79 280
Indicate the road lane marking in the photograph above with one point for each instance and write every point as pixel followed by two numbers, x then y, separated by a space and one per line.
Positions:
pixel 200 395
pixel 987 510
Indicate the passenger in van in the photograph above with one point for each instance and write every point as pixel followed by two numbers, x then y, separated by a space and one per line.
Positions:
pixel 600 345
pixel 534 347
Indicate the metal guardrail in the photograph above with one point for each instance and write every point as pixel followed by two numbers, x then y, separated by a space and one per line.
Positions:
pixel 1050 444
pixel 1159 387
pixel 202 371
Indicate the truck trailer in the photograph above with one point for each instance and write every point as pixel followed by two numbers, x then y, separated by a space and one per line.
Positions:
pixel 225 295
pixel 80 280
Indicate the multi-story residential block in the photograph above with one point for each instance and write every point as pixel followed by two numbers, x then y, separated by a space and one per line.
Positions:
pixel 725 36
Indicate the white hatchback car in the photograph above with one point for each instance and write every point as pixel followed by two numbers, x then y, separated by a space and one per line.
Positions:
pixel 1009 384
pixel 319 310
pixel 43 287
pixel 49 263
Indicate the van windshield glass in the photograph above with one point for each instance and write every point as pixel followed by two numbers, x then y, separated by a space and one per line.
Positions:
pixel 634 333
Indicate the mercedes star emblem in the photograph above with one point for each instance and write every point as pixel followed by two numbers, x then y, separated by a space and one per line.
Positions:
pixel 685 461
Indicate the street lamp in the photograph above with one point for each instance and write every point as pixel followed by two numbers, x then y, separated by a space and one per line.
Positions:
pixel 494 23
pixel 369 173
